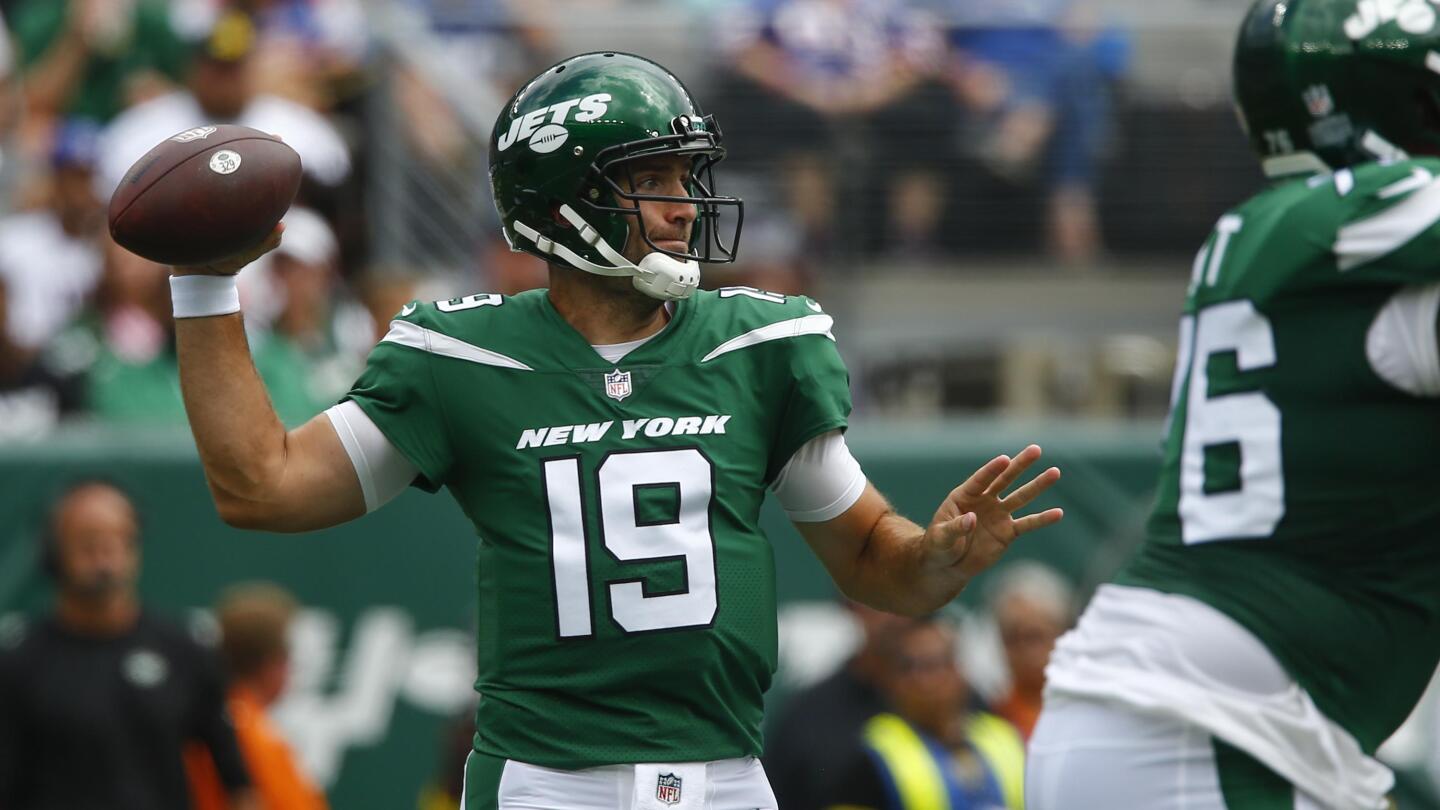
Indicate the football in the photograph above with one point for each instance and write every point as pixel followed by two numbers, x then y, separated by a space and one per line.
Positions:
pixel 204 194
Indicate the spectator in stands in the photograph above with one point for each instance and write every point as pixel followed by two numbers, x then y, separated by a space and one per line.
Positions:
pixel 254 625
pixel 308 51
pixel 816 85
pixel 92 58
pixel 816 732
pixel 450 78
pixel 1036 80
pixel 98 699
pixel 1032 606
pixel 120 350
pixel 11 101
pixel 219 89
pixel 774 257
pixel 318 340
pixel 67 232
pixel 934 744
pixel 32 398
pixel 478 55
pixel 7 49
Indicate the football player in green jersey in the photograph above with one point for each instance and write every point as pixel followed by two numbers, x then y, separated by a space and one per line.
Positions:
pixel 1279 622
pixel 612 439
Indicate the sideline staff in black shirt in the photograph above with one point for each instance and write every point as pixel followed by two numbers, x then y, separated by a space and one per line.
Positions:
pixel 98 700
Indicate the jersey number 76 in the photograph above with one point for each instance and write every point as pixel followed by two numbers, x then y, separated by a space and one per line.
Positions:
pixel 1248 419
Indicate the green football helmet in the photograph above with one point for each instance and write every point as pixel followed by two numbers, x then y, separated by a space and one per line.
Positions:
pixel 563 140
pixel 1322 84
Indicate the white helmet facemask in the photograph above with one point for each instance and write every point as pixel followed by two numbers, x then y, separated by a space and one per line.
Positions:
pixel 657 275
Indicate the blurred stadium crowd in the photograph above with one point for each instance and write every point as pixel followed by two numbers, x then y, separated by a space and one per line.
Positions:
pixel 923 132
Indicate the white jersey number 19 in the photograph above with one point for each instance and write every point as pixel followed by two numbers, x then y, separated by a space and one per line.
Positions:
pixel 626 538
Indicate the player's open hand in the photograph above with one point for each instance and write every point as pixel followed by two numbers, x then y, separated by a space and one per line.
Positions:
pixel 230 265
pixel 977 523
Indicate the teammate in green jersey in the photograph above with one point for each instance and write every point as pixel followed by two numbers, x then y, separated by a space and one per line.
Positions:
pixel 1280 620
pixel 612 439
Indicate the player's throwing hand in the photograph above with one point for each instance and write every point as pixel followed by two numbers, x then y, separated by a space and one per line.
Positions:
pixel 976 523
pixel 230 265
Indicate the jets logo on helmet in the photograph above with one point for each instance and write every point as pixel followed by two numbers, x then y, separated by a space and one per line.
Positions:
pixel 524 127
pixel 1413 17
pixel 608 110
pixel 1324 84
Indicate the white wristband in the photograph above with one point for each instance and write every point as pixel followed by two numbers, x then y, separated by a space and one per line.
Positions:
pixel 202 296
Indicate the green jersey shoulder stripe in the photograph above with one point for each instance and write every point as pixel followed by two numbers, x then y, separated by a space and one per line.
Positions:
pixel 804 325
pixel 1363 241
pixel 416 336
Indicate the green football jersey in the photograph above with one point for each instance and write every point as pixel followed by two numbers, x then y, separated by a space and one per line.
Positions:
pixel 1300 491
pixel 626 592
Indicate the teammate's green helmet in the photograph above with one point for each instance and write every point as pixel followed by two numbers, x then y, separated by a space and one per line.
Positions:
pixel 561 142
pixel 1339 82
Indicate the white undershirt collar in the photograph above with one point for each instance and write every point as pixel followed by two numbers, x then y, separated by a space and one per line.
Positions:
pixel 615 352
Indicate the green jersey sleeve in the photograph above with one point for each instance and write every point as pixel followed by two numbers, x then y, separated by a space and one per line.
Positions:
pixel 1390 232
pixel 819 392
pixel 398 392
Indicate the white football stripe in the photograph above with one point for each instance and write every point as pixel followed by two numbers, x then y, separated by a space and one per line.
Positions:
pixel 1370 239
pixel 806 325
pixel 428 340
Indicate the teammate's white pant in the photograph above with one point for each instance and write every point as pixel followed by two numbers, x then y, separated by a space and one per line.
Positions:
pixel 1095 754
pixel 1167 655
pixel 727 784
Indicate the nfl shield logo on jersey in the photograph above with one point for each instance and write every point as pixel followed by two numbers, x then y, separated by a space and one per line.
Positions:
pixel 617 387
pixel 667 788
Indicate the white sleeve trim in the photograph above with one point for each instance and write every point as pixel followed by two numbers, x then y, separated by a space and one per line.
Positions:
pixel 1401 344
pixel 795 327
pixel 383 470
pixel 820 481
pixel 1386 232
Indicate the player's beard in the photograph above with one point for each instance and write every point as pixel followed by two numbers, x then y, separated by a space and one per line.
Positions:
pixel 626 302
pixel 615 294
pixel 101 586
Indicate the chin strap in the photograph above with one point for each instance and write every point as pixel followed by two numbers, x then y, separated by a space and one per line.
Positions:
pixel 657 275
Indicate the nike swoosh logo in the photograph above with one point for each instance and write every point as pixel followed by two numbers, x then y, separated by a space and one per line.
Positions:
pixel 406 310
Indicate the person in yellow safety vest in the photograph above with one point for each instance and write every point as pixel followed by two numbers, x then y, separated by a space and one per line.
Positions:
pixel 933 752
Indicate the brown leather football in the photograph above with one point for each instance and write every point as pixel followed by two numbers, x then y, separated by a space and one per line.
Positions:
pixel 204 194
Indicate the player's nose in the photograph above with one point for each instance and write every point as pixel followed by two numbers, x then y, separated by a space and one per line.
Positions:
pixel 679 213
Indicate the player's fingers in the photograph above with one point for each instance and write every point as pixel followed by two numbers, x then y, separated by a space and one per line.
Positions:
pixel 946 535
pixel 980 480
pixel 1022 497
pixel 1040 520
pixel 235 263
pixel 271 242
pixel 1018 465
